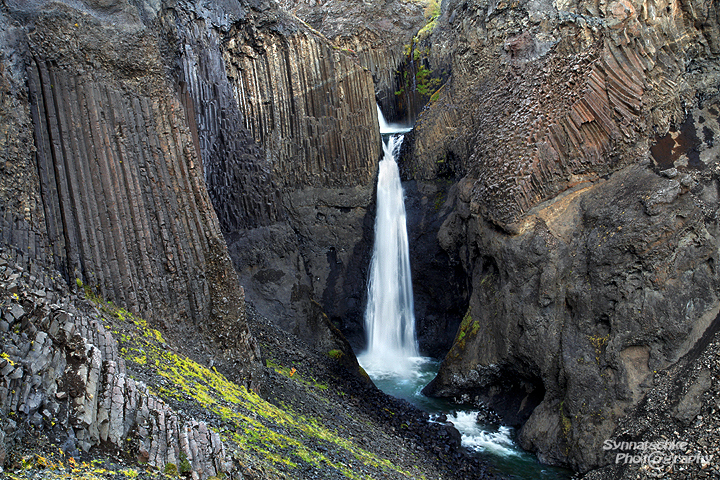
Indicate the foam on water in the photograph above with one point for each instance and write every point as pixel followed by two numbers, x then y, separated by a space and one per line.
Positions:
pixel 482 439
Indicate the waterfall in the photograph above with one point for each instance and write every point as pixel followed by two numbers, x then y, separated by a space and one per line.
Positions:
pixel 388 128
pixel 390 316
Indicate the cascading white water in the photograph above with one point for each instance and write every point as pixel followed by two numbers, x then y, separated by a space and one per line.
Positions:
pixel 390 317
pixel 388 128
pixel 391 359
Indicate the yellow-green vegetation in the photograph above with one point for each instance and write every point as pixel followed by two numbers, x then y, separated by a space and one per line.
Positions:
pixel 335 354
pixel 564 420
pixel 55 466
pixel 291 372
pixel 435 96
pixel 598 342
pixel 432 12
pixel 254 430
pixel 171 469
pixel 7 357
pixel 467 327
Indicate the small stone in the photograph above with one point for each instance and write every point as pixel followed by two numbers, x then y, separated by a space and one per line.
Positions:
pixel 143 456
pixel 14 312
pixel 36 419
pixel 18 373
pixel 670 172
pixel 9 367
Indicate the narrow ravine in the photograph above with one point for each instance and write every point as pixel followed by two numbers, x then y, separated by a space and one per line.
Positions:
pixel 392 359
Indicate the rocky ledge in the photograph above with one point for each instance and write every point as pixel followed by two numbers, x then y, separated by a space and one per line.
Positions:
pixel 91 390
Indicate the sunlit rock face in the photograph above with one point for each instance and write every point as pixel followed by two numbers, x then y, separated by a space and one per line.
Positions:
pixel 581 137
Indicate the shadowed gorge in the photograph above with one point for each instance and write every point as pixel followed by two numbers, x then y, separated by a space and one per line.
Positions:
pixel 188 195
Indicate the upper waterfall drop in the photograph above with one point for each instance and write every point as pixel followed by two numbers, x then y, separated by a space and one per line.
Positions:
pixel 390 316
pixel 390 128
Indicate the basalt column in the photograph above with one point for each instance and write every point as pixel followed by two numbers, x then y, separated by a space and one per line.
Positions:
pixel 125 204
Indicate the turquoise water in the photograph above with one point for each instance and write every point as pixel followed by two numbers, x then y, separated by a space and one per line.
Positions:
pixel 495 444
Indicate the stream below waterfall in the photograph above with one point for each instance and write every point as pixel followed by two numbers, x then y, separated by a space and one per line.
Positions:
pixel 496 444
pixel 391 359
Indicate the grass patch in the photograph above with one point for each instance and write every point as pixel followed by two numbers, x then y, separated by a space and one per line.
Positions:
pixel 255 431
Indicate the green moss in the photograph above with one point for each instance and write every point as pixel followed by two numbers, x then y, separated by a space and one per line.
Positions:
pixel 335 354
pixel 467 326
pixel 171 469
pixel 278 438
pixel 435 96
pixel 185 467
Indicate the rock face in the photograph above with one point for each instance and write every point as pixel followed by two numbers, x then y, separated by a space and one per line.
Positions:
pixel 124 207
pixel 581 137
pixel 569 318
pixel 61 371
pixel 690 429
pixel 380 35
pixel 289 140
pixel 543 95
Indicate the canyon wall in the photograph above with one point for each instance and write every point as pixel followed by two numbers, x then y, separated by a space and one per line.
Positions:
pixel 579 139
pixel 379 35
pixel 289 139
pixel 228 105
pixel 107 185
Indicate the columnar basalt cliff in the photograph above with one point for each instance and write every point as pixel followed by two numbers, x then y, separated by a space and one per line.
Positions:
pixel 548 96
pixel 379 34
pixel 585 217
pixel 124 205
pixel 124 123
pixel 62 372
pixel 289 140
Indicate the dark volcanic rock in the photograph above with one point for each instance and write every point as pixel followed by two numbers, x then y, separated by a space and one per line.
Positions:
pixel 586 217
pixel 380 34
pixel 542 96
pixel 63 377
pixel 440 286
pixel 570 316
pixel 124 206
pixel 291 161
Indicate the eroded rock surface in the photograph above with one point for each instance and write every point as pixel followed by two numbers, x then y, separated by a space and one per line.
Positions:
pixel 62 373
pixel 569 317
pixel 585 216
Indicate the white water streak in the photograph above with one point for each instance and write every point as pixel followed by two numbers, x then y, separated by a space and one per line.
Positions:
pixel 390 316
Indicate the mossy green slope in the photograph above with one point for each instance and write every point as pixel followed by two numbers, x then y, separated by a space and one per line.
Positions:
pixel 260 436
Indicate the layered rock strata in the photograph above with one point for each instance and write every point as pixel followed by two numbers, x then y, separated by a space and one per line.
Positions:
pixel 61 371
